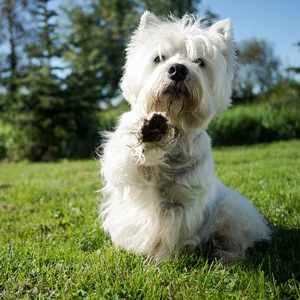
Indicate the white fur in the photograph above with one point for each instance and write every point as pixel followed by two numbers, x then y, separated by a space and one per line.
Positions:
pixel 163 196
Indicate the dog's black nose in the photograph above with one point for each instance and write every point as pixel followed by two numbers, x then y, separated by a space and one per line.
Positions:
pixel 178 72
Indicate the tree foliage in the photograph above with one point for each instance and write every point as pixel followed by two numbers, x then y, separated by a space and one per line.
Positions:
pixel 176 7
pixel 13 33
pixel 57 117
pixel 36 112
pixel 95 42
pixel 295 69
pixel 257 71
pixel 61 65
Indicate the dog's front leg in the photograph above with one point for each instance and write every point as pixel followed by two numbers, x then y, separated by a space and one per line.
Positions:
pixel 130 162
pixel 138 145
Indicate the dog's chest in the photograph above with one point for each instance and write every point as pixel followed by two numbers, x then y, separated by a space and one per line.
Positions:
pixel 173 179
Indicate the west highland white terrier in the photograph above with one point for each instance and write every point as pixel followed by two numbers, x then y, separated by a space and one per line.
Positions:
pixel 160 191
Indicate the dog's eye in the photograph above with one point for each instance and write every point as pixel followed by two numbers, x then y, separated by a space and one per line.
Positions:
pixel 159 59
pixel 200 62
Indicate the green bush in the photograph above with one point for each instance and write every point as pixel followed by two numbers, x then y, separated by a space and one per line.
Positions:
pixel 108 119
pixel 5 139
pixel 19 143
pixel 254 124
pixel 9 138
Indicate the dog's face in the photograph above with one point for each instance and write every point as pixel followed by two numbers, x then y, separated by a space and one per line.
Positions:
pixel 181 68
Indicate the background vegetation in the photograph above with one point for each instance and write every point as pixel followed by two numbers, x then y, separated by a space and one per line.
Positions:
pixel 51 247
pixel 59 73
pixel 60 67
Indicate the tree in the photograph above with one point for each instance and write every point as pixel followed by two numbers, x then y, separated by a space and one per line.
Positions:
pixel 295 69
pixel 46 45
pixel 57 120
pixel 38 106
pixel 99 32
pixel 257 70
pixel 13 33
pixel 176 7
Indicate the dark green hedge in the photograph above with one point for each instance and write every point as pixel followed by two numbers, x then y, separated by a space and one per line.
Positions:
pixel 254 124
pixel 240 125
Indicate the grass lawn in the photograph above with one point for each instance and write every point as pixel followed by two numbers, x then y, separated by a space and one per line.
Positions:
pixel 51 246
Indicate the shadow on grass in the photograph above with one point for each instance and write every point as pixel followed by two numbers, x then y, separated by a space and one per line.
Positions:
pixel 280 258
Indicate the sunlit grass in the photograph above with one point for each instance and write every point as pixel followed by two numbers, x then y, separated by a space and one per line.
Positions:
pixel 53 248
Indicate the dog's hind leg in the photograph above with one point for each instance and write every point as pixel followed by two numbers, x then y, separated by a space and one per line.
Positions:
pixel 237 226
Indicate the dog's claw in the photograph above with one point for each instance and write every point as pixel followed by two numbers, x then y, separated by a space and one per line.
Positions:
pixel 154 129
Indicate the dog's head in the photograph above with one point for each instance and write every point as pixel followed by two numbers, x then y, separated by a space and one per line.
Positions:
pixel 181 67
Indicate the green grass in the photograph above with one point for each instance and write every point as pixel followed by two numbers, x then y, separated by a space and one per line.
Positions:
pixel 52 246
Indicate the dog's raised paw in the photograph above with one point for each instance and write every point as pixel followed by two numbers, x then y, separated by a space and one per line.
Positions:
pixel 154 128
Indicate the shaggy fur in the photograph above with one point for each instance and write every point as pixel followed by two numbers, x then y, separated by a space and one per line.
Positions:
pixel 160 190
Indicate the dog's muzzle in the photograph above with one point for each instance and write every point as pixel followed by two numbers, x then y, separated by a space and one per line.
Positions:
pixel 178 72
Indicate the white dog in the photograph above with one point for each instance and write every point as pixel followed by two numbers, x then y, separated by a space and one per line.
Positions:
pixel 160 190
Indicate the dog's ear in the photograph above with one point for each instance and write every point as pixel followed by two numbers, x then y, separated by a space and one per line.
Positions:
pixel 147 19
pixel 224 28
pixel 227 46
pixel 223 34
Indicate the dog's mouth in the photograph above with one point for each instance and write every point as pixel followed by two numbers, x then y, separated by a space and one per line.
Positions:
pixel 176 91
pixel 175 97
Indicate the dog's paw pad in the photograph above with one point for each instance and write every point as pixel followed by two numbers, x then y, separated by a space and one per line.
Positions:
pixel 157 121
pixel 154 128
